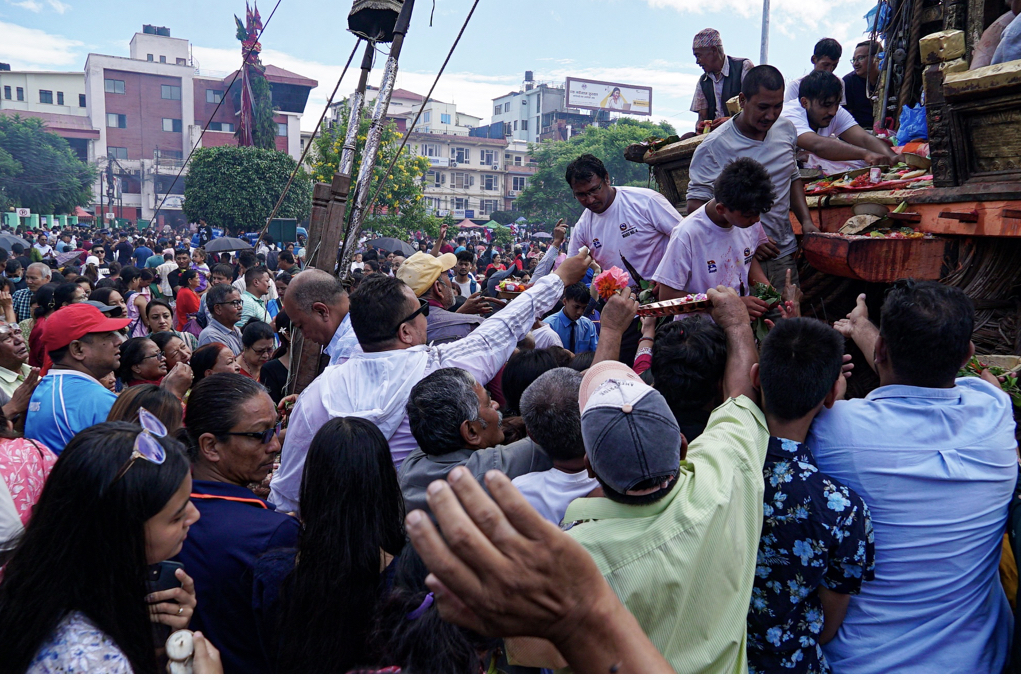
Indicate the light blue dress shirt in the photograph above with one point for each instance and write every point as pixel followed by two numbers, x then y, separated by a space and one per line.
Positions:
pixel 344 344
pixel 586 338
pixel 937 468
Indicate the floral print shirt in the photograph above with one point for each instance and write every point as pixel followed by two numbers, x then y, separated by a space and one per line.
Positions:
pixel 815 532
pixel 78 646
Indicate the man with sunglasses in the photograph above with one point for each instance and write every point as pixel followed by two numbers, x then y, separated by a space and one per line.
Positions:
pixel 84 346
pixel 391 325
pixel 224 306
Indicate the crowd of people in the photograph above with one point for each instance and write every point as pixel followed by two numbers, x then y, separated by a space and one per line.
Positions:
pixel 480 481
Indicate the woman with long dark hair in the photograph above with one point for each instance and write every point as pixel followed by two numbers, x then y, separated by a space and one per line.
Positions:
pixel 73 596
pixel 175 350
pixel 210 359
pixel 162 403
pixel 316 606
pixel 274 372
pixel 257 338
pixel 109 295
pixel 44 303
pixel 159 317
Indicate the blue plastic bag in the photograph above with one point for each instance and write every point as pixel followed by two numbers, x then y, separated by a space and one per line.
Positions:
pixel 912 125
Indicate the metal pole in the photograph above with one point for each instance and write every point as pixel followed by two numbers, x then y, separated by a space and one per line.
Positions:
pixel 764 48
pixel 354 119
pixel 371 150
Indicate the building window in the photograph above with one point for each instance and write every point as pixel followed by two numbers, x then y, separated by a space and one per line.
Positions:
pixel 221 127
pixel 490 183
pixel 445 118
pixel 170 92
pixel 182 62
pixel 148 57
pixel 515 126
pixel 517 161
pixel 460 155
pixel 81 101
pixel 7 91
pixel 281 129
pixel 506 107
pixel 427 117
pixel 461 180
pixel 434 178
pixel 519 183
pixel 60 98
pixel 118 152
pixel 114 86
pixel 431 150
pixel 214 96
pixel 461 204
pixel 45 96
pixel 171 124
pixel 498 110
pixel 163 59
pixel 116 120
pixel 538 105
pixel 21 94
pixel 524 125
pixel 173 155
pixel 488 207
pixel 487 157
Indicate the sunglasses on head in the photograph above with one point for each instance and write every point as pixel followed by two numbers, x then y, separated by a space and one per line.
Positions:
pixel 146 446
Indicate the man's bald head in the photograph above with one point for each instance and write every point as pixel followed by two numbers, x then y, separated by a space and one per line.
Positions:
pixel 316 303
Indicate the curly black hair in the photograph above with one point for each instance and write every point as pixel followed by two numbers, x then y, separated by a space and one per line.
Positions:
pixel 744 186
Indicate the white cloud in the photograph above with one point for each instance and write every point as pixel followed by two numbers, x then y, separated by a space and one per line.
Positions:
pixel 30 5
pixel 790 17
pixel 31 48
pixel 58 6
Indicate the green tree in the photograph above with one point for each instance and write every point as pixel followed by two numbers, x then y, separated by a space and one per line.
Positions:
pixel 547 198
pixel 235 188
pixel 399 210
pixel 39 171
pixel 505 216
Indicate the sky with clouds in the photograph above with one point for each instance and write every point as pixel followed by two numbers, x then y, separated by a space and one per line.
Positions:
pixel 640 42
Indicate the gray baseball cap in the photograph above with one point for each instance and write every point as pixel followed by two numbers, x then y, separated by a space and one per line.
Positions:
pixel 629 432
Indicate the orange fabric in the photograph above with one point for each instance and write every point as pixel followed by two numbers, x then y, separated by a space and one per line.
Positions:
pixel 252 501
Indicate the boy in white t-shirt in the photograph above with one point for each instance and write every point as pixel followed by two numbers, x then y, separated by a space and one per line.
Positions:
pixel 715 245
pixel 825 129
pixel 549 407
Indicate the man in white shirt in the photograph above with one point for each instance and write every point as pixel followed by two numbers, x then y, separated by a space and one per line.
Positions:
pixel 391 326
pixel 825 129
pixel 619 223
pixel 825 57
pixel 549 407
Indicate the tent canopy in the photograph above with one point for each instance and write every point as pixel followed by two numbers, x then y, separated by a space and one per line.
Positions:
pixel 467 224
pixel 491 224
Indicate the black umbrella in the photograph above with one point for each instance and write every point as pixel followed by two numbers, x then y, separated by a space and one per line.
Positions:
pixel 225 244
pixel 392 245
pixel 8 240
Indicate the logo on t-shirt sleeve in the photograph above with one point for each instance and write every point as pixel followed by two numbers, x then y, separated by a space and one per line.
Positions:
pixel 712 266
pixel 596 243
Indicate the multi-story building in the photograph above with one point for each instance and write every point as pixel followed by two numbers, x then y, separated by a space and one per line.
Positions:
pixel 519 168
pixel 150 109
pixel 522 111
pixel 58 98
pixel 466 177
pixel 437 117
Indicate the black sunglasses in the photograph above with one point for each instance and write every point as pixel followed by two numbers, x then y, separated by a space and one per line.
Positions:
pixel 265 436
pixel 423 310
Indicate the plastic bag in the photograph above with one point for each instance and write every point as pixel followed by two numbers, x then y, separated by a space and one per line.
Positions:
pixel 912 125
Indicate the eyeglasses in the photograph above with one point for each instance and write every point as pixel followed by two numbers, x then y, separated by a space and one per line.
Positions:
pixel 591 193
pixel 146 446
pixel 856 59
pixel 8 331
pixel 157 355
pixel 234 303
pixel 423 310
pixel 262 352
pixel 265 436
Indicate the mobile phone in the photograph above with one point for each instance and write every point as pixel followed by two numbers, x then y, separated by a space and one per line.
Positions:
pixel 162 576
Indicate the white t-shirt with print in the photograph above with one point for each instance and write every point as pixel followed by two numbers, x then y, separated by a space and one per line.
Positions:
pixel 550 492
pixel 841 123
pixel 702 255
pixel 637 225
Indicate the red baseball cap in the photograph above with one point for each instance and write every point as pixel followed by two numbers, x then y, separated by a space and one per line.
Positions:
pixel 75 321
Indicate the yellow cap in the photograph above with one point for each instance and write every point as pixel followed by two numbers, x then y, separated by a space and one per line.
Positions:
pixel 421 270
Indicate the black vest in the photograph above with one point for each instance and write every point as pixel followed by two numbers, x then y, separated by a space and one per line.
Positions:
pixel 731 86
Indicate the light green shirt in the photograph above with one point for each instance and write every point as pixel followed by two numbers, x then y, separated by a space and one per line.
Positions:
pixel 252 307
pixel 684 565
pixel 10 381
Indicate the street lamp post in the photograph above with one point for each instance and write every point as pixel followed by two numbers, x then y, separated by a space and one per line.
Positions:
pixel 764 48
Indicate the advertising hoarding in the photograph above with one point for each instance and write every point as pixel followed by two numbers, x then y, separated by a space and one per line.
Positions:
pixel 603 96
